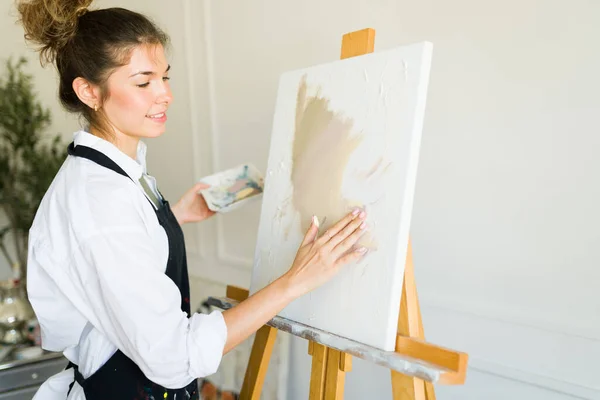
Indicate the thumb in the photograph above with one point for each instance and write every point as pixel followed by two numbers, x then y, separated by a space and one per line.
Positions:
pixel 312 232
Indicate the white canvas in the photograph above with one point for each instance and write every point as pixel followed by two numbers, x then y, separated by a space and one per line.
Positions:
pixel 346 134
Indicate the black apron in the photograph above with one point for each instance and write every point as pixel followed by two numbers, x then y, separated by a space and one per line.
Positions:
pixel 120 378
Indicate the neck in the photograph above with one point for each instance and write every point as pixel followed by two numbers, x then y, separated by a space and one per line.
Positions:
pixel 127 144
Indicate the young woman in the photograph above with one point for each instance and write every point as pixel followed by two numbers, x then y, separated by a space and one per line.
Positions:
pixel 107 272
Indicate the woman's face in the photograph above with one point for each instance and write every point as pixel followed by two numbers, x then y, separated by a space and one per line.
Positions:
pixel 139 96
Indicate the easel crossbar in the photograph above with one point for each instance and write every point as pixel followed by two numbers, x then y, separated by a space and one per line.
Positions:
pixel 393 360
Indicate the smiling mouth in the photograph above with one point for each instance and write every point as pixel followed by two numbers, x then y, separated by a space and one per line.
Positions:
pixel 156 116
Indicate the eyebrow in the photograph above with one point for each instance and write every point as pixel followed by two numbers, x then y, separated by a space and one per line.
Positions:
pixel 149 72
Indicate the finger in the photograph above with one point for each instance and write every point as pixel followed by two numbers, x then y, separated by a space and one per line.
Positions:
pixel 339 226
pixel 200 186
pixel 357 223
pixel 312 232
pixel 351 257
pixel 349 241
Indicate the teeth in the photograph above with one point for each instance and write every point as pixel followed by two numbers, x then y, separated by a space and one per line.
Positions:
pixel 156 115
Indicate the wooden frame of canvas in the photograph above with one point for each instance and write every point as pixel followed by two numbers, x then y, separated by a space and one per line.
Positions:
pixel 329 365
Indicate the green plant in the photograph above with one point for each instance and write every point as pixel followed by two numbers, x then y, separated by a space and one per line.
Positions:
pixel 29 159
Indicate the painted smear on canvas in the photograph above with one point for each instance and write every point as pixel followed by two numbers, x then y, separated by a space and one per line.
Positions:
pixel 323 142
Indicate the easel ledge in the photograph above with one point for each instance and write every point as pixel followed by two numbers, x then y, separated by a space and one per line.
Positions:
pixel 420 359
pixel 415 364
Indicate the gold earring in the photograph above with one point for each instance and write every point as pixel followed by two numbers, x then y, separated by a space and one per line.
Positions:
pixel 96 107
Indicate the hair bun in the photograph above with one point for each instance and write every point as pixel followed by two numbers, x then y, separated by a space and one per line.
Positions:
pixel 51 23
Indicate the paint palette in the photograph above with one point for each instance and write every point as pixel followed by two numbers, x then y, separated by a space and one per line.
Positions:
pixel 232 188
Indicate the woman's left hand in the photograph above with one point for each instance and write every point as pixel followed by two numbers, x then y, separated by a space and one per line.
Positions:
pixel 192 206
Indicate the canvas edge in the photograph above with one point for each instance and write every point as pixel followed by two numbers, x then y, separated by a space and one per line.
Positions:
pixel 426 50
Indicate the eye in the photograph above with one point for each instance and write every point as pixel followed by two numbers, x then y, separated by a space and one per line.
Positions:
pixel 143 85
pixel 166 78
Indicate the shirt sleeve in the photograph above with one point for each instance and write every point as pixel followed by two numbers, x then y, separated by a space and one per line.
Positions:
pixel 138 307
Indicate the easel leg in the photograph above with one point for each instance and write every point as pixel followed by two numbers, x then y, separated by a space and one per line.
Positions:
pixel 328 372
pixel 317 375
pixel 335 376
pixel 264 340
pixel 410 324
pixel 258 364
pixel 429 392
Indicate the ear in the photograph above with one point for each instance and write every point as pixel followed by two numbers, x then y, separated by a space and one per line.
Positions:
pixel 88 93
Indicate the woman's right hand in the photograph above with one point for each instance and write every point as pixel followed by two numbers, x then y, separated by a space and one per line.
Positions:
pixel 319 259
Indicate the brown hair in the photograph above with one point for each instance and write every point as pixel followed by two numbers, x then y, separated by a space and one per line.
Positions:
pixel 85 43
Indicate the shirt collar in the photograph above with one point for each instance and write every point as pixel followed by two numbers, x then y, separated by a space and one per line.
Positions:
pixel 133 168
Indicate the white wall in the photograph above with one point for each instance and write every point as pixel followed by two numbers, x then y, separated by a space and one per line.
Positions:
pixel 505 212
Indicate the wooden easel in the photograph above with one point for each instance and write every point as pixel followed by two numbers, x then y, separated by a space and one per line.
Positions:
pixel 329 365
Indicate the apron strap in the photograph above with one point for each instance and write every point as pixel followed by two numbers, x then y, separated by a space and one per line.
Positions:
pixel 103 160
pixel 78 377
pixel 96 156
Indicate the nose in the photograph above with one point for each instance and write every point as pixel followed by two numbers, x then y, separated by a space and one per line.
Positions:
pixel 164 94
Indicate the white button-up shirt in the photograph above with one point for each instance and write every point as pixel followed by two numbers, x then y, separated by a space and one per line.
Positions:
pixel 96 279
